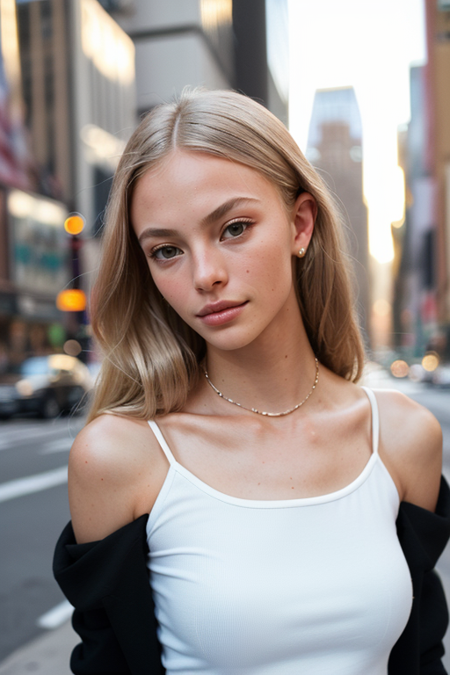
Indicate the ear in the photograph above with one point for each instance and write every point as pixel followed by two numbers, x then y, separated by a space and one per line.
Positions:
pixel 304 213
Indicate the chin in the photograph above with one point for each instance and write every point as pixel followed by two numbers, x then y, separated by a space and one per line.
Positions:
pixel 229 343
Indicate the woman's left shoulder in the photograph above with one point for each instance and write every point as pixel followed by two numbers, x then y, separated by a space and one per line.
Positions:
pixel 411 446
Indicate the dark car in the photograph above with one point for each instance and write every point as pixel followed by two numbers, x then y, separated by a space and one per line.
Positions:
pixel 44 385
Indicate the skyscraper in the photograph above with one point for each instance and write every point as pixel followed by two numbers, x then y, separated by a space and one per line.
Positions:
pixel 335 150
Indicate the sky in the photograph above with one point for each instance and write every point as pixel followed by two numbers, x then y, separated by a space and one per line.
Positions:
pixel 370 46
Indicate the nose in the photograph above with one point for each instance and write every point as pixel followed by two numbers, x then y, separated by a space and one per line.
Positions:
pixel 209 270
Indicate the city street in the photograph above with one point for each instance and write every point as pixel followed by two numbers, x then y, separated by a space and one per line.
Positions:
pixel 34 508
pixel 33 511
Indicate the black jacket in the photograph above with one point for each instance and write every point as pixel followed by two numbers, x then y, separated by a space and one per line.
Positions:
pixel 107 582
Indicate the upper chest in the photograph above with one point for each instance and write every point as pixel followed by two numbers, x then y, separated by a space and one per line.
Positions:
pixel 255 458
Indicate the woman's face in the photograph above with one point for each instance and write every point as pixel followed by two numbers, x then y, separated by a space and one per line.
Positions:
pixel 220 244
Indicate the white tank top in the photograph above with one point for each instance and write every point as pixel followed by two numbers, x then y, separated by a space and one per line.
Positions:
pixel 312 586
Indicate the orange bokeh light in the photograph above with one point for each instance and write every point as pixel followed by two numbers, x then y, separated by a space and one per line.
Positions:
pixel 71 300
pixel 74 224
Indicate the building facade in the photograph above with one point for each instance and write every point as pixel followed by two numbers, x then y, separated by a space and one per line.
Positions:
pixel 217 44
pixel 335 150
pixel 437 100
pixel 70 74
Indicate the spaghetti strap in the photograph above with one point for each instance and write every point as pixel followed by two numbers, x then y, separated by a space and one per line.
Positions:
pixel 375 419
pixel 160 438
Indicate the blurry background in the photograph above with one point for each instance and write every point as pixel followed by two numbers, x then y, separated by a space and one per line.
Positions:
pixel 364 89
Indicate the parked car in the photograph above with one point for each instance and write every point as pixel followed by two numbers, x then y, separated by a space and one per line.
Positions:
pixel 44 385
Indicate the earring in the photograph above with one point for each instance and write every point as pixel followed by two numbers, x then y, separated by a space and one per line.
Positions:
pixel 302 252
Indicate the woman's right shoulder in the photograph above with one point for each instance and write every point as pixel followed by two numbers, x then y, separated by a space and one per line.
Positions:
pixel 116 469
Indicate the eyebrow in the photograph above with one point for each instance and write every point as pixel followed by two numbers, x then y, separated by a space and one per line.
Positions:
pixel 211 218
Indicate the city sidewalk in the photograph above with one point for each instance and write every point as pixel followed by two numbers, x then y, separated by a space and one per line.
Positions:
pixel 48 654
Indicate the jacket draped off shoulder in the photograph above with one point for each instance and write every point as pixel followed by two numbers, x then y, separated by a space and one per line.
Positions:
pixel 107 582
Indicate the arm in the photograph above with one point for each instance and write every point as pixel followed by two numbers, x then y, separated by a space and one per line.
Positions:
pixel 115 473
pixel 412 450
pixel 116 470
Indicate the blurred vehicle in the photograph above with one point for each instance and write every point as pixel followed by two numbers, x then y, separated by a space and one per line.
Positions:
pixel 417 373
pixel 44 385
pixel 441 376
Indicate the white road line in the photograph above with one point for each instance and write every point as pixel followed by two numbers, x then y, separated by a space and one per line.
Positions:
pixel 20 436
pixel 56 616
pixel 30 484
pixel 60 445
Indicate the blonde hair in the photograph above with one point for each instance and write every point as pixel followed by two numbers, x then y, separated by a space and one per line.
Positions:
pixel 151 356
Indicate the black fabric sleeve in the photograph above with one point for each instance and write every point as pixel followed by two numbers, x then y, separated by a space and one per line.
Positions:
pixel 107 582
pixel 433 625
pixel 423 536
pixel 99 653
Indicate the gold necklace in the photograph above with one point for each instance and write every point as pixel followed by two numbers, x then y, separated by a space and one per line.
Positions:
pixel 260 412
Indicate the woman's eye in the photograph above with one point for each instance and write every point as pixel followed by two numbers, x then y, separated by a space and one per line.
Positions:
pixel 234 230
pixel 166 252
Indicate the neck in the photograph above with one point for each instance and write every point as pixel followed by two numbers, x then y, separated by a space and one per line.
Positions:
pixel 272 374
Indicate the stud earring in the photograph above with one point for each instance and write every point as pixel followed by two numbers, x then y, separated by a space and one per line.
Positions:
pixel 302 252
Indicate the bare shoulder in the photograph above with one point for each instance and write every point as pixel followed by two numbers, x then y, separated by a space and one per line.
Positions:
pixel 411 446
pixel 116 469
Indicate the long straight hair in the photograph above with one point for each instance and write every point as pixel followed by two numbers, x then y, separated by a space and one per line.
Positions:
pixel 150 355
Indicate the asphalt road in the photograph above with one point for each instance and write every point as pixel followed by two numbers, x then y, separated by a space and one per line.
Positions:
pixel 34 509
pixel 32 514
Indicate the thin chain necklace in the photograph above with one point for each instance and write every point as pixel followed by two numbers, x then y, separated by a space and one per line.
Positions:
pixel 260 412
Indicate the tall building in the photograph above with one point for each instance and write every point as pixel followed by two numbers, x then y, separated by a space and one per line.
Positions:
pixel 335 149
pixel 78 89
pixel 415 308
pixel 218 44
pixel 70 74
pixel 437 98
pixel 33 250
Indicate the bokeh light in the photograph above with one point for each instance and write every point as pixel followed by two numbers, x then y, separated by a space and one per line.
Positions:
pixel 72 347
pixel 399 368
pixel 74 224
pixel 71 300
pixel 430 361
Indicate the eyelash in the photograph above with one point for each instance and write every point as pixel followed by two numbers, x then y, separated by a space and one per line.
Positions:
pixel 239 221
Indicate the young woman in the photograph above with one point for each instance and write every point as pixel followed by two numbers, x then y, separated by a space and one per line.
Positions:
pixel 228 409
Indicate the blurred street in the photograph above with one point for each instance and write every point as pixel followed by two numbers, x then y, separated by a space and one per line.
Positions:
pixel 34 509
pixel 371 114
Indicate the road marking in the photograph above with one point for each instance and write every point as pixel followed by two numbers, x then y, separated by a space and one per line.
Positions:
pixel 24 435
pixel 56 616
pixel 30 484
pixel 60 445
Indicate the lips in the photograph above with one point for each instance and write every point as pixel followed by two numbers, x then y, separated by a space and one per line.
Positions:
pixel 221 313
pixel 216 307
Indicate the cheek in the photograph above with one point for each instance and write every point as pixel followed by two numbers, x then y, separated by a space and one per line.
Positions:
pixel 270 266
pixel 170 288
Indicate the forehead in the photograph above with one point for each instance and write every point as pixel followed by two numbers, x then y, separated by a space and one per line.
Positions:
pixel 196 181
